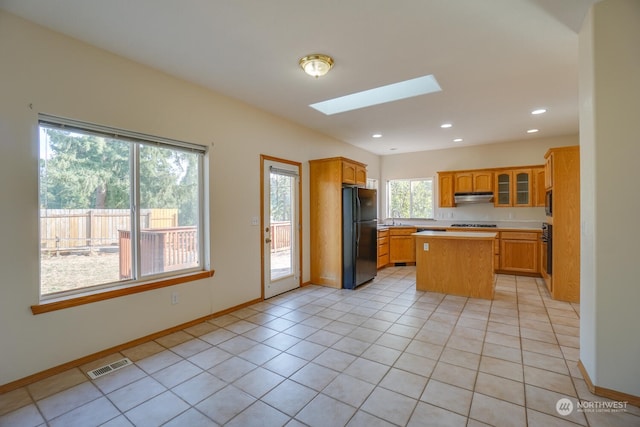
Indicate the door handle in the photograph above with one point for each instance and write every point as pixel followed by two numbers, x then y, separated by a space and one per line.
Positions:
pixel 267 240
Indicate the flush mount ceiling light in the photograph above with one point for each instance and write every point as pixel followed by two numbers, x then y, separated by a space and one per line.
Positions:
pixel 316 65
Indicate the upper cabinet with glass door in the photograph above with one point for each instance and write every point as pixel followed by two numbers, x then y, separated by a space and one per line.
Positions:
pixel 503 193
pixel 513 188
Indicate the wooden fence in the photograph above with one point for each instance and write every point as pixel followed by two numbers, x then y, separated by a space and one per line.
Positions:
pixel 76 229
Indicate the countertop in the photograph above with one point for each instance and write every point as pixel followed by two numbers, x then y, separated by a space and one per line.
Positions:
pixel 479 235
pixel 500 227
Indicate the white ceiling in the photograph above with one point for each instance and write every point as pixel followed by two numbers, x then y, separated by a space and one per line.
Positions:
pixel 496 60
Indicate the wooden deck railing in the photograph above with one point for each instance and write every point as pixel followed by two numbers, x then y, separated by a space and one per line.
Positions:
pixel 280 235
pixel 161 250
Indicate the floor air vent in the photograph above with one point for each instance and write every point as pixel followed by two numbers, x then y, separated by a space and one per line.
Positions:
pixel 104 370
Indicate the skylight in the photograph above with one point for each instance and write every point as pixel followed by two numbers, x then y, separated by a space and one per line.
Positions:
pixel 380 95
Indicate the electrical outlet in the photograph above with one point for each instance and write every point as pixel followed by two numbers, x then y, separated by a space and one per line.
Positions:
pixel 174 298
pixel 255 220
pixel 426 247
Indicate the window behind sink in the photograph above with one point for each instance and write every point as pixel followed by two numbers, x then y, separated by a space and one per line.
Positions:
pixel 410 198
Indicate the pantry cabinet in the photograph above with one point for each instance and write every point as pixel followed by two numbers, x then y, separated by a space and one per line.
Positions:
pixel 563 175
pixel 326 177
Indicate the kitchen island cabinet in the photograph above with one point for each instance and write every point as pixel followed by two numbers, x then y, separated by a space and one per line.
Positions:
pixel 456 263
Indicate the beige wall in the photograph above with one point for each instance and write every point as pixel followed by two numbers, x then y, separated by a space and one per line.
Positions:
pixel 60 76
pixel 610 149
pixel 428 163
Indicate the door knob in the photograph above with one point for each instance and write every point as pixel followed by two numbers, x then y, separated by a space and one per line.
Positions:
pixel 267 240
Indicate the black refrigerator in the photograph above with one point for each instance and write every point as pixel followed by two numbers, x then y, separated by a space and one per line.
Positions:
pixel 360 236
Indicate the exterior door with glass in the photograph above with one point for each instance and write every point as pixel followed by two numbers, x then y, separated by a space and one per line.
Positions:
pixel 280 226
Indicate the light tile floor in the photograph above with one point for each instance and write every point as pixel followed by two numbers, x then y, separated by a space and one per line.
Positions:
pixel 384 354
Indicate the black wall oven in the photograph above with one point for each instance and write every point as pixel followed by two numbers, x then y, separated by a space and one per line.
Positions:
pixel 547 247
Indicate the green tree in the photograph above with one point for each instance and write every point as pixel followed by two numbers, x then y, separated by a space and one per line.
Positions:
pixel 400 198
pixel 411 198
pixel 82 171
pixel 281 188
pixel 187 191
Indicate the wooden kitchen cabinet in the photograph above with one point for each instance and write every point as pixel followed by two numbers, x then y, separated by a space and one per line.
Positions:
pixel 523 185
pixel 463 182
pixel 383 248
pixel 563 170
pixel 513 188
pixel 503 194
pixel 326 177
pixel 483 181
pixel 446 190
pixel 519 252
pixel 548 170
pixel 466 182
pixel 402 246
pixel 354 173
pixel 539 188
pixel 496 252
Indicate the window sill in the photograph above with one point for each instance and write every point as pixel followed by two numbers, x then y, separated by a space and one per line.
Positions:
pixel 88 299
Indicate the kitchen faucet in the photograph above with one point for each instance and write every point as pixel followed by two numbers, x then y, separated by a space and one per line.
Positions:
pixel 394 214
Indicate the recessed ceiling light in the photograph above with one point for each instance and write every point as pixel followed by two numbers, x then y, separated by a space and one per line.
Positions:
pixel 393 149
pixel 539 111
pixel 380 95
pixel 457 140
pixel 376 135
pixel 446 125
pixel 532 131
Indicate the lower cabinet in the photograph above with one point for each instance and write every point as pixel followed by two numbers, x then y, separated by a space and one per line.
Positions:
pixel 402 245
pixel 383 248
pixel 519 252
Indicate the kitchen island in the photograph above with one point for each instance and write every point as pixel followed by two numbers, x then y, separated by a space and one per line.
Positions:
pixel 455 262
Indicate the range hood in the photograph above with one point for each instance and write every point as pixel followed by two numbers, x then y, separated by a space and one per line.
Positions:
pixel 473 197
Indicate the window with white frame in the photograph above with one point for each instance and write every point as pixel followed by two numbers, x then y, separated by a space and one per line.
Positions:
pixel 116 207
pixel 410 198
